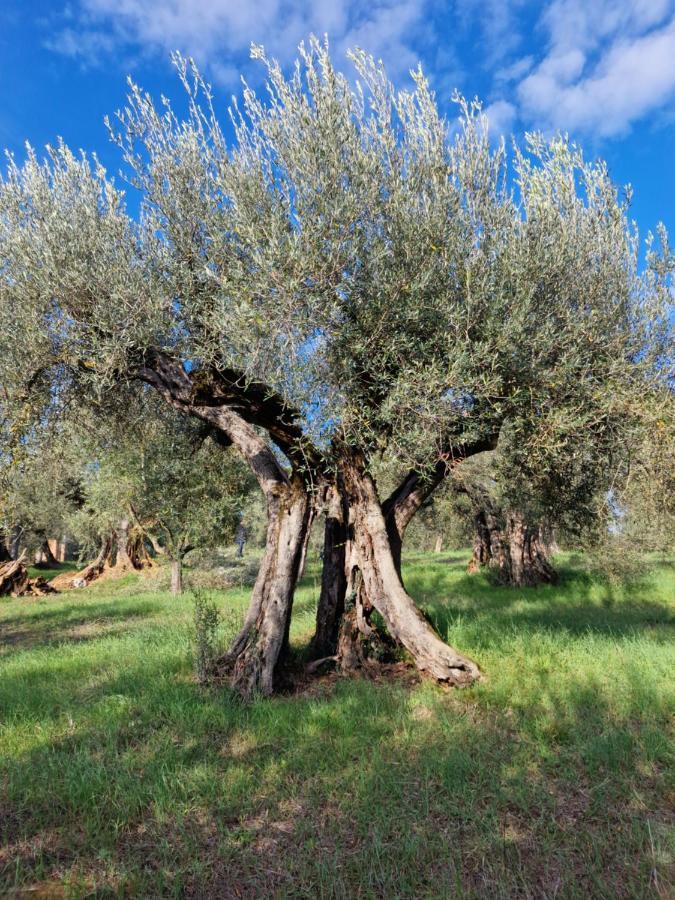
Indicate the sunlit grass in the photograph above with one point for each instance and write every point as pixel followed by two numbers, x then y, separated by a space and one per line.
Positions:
pixel 120 776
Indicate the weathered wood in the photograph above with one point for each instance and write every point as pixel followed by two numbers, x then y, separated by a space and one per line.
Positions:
pixel 515 549
pixel 14 581
pixel 369 550
pixel 257 655
pixel 13 577
pixel 333 576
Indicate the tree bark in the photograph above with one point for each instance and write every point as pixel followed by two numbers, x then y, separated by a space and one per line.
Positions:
pixel 233 408
pixel 257 655
pixel 370 560
pixel 156 546
pixel 177 576
pixel 402 505
pixel 333 577
pixel 398 511
pixel 15 541
pixel 507 543
pixel 13 577
pixel 14 580
pixel 45 557
pixel 123 561
pixel 93 570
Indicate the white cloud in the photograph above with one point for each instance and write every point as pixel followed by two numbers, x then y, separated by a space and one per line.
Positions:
pixel 608 64
pixel 501 116
pixel 218 33
pixel 600 66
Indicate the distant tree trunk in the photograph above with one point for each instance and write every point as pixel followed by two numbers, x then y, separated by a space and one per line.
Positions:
pixel 44 557
pixel 123 561
pixel 5 555
pixel 95 568
pixel 177 575
pixel 511 546
pixel 136 549
pixel 154 543
pixel 15 541
pixel 438 546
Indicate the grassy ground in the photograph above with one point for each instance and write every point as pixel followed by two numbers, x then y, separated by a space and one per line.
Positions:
pixel 119 776
pixel 45 572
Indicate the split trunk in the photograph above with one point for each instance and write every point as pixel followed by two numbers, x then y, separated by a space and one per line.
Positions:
pixel 362 556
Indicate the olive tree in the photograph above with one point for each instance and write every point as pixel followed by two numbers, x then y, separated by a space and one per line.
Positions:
pixel 337 281
pixel 149 477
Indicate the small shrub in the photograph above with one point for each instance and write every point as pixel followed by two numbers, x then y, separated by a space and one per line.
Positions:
pixel 617 561
pixel 206 622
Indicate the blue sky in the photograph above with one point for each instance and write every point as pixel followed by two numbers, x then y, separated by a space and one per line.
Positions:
pixel 603 70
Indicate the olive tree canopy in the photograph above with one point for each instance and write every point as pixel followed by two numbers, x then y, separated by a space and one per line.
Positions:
pixel 342 278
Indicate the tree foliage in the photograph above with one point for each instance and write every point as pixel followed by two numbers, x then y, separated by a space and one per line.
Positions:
pixel 336 281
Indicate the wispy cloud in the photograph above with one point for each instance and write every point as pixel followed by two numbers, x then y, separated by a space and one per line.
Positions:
pixel 607 65
pixel 218 33
pixel 587 66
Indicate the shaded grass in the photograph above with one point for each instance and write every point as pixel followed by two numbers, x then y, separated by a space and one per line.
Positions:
pixel 120 777
pixel 49 573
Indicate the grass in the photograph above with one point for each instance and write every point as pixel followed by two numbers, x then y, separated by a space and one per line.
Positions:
pixel 119 776
pixel 49 573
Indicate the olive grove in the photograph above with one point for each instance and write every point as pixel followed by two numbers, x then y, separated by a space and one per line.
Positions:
pixel 330 280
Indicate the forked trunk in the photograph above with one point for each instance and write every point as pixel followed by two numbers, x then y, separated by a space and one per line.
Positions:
pixel 258 652
pixel 375 576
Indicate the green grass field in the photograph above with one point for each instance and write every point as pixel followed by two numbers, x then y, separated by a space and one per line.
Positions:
pixel 120 777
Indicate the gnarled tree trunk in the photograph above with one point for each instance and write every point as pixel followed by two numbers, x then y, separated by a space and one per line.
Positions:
pixel 258 653
pixel 371 561
pixel 123 561
pixel 91 571
pixel 507 543
pixel 345 602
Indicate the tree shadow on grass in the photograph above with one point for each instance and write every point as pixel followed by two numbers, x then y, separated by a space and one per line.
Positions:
pixel 577 604
pixel 370 790
pixel 72 623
